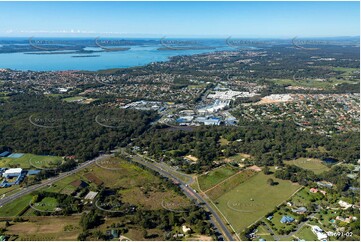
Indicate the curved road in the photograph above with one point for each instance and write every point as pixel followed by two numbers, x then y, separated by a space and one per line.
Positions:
pixel 189 192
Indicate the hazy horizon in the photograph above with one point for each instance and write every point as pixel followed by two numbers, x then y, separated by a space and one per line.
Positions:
pixel 180 19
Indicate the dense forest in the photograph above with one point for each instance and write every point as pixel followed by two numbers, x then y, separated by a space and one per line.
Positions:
pixel 48 126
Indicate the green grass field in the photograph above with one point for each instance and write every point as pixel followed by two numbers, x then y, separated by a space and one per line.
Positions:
pixel 215 176
pixel 305 233
pixel 315 165
pixel 30 161
pixel 252 199
pixel 63 185
pixel 47 204
pixel 304 196
pixel 229 184
pixel 13 208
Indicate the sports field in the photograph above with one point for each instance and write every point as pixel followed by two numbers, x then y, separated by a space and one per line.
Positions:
pixel 315 165
pixel 253 198
pixel 31 161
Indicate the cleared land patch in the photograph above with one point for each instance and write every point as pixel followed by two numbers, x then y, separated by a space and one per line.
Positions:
pixel 51 228
pixel 315 165
pixel 223 141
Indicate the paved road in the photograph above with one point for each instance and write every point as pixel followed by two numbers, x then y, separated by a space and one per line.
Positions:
pixel 189 192
pixel 184 186
pixel 29 189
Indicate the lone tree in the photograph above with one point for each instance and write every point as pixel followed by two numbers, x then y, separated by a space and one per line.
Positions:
pixel 270 182
pixel 266 170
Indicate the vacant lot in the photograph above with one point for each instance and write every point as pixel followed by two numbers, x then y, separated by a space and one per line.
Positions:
pixel 252 199
pixel 148 198
pixel 215 176
pixel 315 165
pixel 46 228
pixel 133 184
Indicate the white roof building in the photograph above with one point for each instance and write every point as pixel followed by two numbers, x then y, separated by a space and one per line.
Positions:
pixel 91 195
pixel 12 172
pixel 319 233
pixel 344 205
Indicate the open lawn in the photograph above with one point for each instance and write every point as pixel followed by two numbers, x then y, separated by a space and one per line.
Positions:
pixel 47 204
pixel 215 176
pixel 30 161
pixel 315 165
pixel 305 233
pixel 253 198
pixel 304 196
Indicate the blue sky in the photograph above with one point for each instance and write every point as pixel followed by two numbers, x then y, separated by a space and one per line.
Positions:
pixel 198 19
